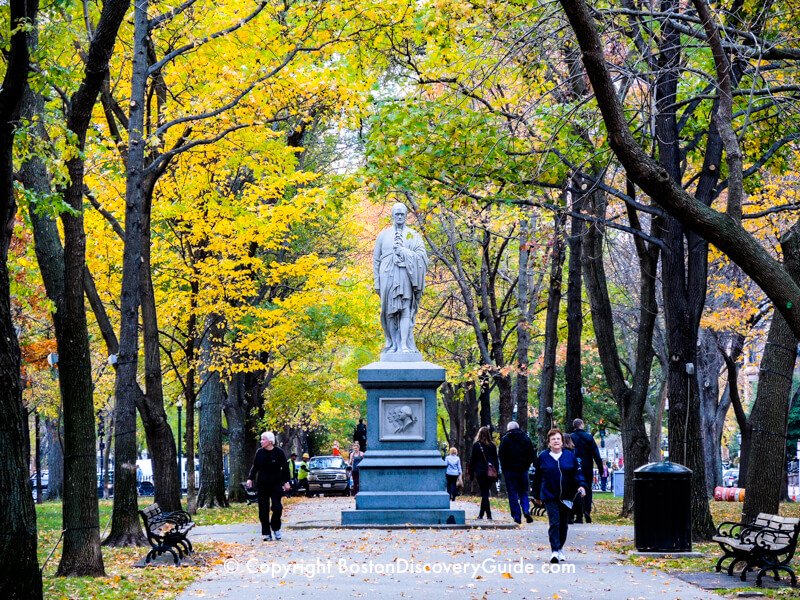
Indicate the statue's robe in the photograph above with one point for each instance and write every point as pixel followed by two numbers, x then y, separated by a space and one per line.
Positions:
pixel 399 282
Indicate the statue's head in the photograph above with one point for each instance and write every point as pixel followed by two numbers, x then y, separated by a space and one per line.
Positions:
pixel 399 214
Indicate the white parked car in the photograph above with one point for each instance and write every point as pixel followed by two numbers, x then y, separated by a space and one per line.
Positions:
pixel 730 478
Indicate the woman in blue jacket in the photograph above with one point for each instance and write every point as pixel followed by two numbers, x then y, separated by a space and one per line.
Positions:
pixel 556 483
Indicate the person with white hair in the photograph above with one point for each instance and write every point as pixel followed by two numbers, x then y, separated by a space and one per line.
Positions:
pixel 516 455
pixel 271 471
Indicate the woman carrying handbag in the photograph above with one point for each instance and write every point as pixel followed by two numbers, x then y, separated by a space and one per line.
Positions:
pixel 483 467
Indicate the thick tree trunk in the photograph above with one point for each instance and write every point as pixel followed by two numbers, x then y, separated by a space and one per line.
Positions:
pixel 107 456
pixel 766 454
pixel 635 447
pixel 485 402
pixel 455 415
pixel 548 375
pixel 461 403
pixel 235 407
pixel 656 422
pixel 160 440
pixel 685 442
pixel 709 364
pixel 768 418
pixel 37 455
pixel 630 399
pixel 523 326
pixel 741 418
pixel 54 458
pixel 50 257
pixel 19 568
pixel 81 548
pixel 190 395
pixel 505 400
pixel 254 392
pixel 212 395
pixel 683 292
pixel 744 455
pixel 493 323
pixel 572 367
pixel 471 419
pixel 163 453
pixel 189 444
pixel 125 527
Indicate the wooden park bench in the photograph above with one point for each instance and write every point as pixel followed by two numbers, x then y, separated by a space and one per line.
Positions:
pixel 167 532
pixel 768 544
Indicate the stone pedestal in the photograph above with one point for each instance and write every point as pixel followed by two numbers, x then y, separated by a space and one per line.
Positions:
pixel 401 478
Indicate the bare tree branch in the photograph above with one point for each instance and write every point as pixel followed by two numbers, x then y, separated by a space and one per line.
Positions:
pixel 157 165
pixel 112 220
pixel 159 20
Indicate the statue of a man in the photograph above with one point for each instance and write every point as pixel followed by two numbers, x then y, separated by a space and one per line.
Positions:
pixel 399 264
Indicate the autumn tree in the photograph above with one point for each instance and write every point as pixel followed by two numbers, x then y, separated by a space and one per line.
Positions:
pixel 81 555
pixel 663 183
pixel 19 574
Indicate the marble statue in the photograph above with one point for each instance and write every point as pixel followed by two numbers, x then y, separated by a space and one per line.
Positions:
pixel 399 264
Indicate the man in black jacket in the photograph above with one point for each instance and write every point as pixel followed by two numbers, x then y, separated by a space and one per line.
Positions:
pixel 271 471
pixel 360 435
pixel 516 455
pixel 586 450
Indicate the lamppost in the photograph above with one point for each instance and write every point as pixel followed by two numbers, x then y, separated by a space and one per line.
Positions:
pixel 179 404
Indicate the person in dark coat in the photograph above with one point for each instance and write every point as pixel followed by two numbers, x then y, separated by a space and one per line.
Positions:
pixel 557 482
pixel 587 452
pixel 516 455
pixel 604 476
pixel 270 470
pixel 360 435
pixel 484 453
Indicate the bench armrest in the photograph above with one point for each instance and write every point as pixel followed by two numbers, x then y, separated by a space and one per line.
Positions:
pixel 179 516
pixel 731 529
pixel 774 540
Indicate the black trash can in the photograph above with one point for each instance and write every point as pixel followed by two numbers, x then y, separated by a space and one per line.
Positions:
pixel 662 513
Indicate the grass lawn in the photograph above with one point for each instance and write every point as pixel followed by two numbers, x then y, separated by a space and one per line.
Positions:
pixel 122 579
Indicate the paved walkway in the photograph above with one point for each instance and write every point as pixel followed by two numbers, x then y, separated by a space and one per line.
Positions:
pixel 425 563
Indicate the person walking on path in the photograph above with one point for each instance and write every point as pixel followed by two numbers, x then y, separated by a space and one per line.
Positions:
pixel 270 470
pixel 516 455
pixel 453 472
pixel 356 456
pixel 604 476
pixel 483 467
pixel 587 451
pixel 302 473
pixel 292 474
pixel 558 481
pixel 360 434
